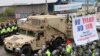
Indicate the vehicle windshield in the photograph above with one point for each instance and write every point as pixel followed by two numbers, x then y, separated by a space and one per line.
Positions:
pixel 26 32
pixel 31 33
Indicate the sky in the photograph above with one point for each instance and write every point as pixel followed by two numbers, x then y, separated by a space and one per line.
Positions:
pixel 12 2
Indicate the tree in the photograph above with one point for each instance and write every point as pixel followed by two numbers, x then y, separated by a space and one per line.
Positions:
pixel 98 0
pixel 1 14
pixel 9 11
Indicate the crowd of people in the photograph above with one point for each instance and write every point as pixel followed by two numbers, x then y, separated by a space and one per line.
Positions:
pixel 68 49
pixel 7 29
pixel 90 49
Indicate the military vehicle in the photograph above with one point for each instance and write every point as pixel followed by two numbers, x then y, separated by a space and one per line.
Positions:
pixel 36 31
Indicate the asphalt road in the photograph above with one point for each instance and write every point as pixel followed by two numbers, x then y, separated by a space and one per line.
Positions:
pixel 3 53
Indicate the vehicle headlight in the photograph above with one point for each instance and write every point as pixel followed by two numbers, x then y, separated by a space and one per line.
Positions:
pixel 13 45
pixel 5 42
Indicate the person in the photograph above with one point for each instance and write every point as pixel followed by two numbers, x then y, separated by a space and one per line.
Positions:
pixel 92 52
pixel 97 51
pixel 41 52
pixel 52 43
pixel 6 32
pixel 48 53
pixel 74 49
pixel 15 27
pixel 45 46
pixel 22 54
pixel 63 50
pixel 87 51
pixel 8 29
pixel 68 41
pixel 0 35
pixel 98 9
pixel 17 52
pixel 68 49
pixel 35 54
pixel 70 19
pixel 3 32
pixel 92 49
pixel 55 52
pixel 98 46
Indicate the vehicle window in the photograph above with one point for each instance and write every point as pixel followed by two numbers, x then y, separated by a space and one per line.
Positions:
pixel 22 31
pixel 35 22
pixel 31 33
pixel 39 35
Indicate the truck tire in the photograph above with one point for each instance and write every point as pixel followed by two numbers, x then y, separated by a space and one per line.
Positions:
pixel 1 41
pixel 7 51
pixel 26 50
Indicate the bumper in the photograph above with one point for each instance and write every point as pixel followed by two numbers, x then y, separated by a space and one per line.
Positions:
pixel 11 46
pixel 10 51
pixel 8 47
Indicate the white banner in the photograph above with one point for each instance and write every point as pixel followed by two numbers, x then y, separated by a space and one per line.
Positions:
pixel 67 7
pixel 84 29
pixel 71 14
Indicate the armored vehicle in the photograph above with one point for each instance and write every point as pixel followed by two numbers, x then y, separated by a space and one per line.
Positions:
pixel 35 31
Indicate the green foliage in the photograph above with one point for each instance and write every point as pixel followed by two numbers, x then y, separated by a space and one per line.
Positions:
pixel 9 12
pixel 98 0
pixel 2 19
pixel 5 19
pixel 1 14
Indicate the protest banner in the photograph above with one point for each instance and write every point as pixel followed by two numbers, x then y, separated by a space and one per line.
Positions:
pixel 84 29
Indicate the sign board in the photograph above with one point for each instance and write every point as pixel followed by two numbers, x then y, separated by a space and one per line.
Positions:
pixel 65 15
pixel 84 29
pixel 84 1
pixel 67 7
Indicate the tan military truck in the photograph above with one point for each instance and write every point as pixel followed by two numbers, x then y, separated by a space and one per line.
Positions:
pixel 35 31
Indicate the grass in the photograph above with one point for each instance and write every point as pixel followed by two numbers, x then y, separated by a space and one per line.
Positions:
pixel 2 19
pixel 5 19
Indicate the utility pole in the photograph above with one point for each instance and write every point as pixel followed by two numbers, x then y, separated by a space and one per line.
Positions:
pixel 87 6
pixel 46 8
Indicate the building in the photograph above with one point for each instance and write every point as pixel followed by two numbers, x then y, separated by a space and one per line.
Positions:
pixel 23 8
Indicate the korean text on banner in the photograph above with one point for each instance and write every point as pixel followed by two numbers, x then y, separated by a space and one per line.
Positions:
pixel 67 7
pixel 84 29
